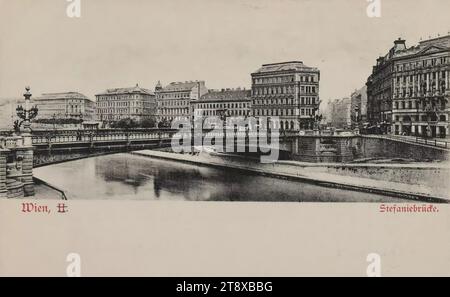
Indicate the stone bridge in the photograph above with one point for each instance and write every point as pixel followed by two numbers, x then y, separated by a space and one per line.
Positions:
pixel 52 147
pixel 19 154
pixel 55 146
pixel 347 148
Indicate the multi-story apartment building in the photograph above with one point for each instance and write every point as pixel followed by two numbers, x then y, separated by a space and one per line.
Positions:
pixel 359 107
pixel 224 103
pixel 408 91
pixel 175 100
pixel 340 111
pixel 379 93
pixel 289 91
pixel 68 105
pixel 122 103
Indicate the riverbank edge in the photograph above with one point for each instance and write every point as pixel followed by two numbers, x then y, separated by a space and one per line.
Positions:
pixel 281 175
pixel 42 183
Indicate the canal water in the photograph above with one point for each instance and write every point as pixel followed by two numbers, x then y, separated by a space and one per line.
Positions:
pixel 131 177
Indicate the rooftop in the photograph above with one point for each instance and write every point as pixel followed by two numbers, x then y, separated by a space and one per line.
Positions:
pixel 285 66
pixel 440 43
pixel 63 95
pixel 181 86
pixel 226 95
pixel 440 40
pixel 124 91
pixel 399 50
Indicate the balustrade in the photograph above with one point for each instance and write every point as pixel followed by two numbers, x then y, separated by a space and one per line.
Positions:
pixel 71 136
pixel 11 142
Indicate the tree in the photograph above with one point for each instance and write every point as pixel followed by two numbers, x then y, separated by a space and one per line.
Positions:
pixel 58 121
pixel 148 123
pixel 164 123
pixel 127 123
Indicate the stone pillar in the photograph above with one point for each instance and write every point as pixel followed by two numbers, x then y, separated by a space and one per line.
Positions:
pixel 316 157
pixel 27 139
pixel 27 170
pixel 446 80
pixel 416 85
pixel 407 86
pixel 418 82
pixel 3 189
pixel 295 146
pixel 394 89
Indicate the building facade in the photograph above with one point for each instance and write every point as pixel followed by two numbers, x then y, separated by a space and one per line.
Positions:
pixel 67 105
pixel 175 100
pixel 414 84
pixel 359 107
pixel 340 112
pixel 134 103
pixel 223 104
pixel 289 91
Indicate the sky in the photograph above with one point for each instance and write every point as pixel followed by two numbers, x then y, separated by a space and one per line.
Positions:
pixel 118 43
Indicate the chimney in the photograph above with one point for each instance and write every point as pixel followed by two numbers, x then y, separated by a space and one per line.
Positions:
pixel 379 60
pixel 399 45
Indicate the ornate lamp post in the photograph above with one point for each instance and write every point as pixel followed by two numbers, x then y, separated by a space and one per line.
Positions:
pixel 356 119
pixel 54 122
pixel 26 113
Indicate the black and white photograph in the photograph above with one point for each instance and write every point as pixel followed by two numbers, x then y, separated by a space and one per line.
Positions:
pixel 240 104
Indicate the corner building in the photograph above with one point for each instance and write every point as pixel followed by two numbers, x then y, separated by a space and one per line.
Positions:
pixel 289 91
pixel 409 89
pixel 175 100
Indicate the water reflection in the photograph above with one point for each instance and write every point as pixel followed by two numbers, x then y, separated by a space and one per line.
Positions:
pixel 125 176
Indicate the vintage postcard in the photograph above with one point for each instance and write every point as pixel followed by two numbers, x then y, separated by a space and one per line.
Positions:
pixel 218 138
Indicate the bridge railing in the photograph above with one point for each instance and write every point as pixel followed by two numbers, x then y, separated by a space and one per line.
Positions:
pixel 411 139
pixel 73 136
pixel 5 133
pixel 433 142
